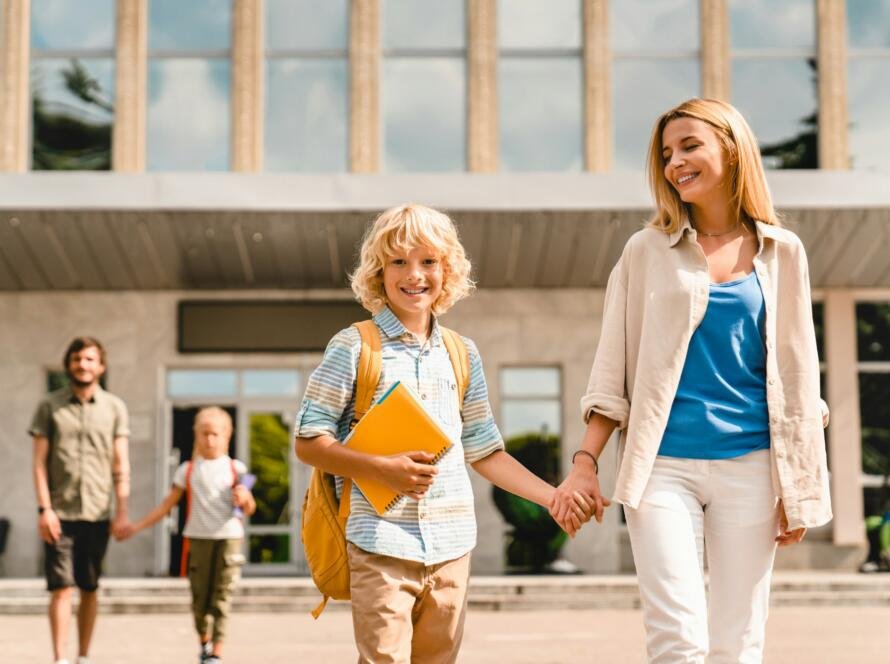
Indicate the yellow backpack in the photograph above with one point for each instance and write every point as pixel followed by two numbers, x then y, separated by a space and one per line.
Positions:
pixel 323 529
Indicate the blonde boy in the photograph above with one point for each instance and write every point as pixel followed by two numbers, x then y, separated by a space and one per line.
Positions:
pixel 410 568
pixel 214 534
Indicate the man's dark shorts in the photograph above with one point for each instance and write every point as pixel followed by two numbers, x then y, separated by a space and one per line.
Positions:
pixel 76 558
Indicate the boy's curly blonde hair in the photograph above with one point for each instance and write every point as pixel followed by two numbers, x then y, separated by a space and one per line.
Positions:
pixel 401 229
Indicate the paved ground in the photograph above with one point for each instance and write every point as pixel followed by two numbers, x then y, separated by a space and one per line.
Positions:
pixel 848 635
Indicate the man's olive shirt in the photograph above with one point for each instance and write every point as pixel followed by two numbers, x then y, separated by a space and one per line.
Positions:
pixel 81 451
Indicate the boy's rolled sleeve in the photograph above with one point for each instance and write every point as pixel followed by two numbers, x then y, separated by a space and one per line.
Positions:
pixel 480 436
pixel 330 387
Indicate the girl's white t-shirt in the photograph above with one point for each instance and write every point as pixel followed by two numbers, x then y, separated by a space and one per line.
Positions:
pixel 210 516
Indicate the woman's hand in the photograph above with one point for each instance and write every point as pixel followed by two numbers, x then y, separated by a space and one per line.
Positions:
pixel 785 536
pixel 410 474
pixel 578 498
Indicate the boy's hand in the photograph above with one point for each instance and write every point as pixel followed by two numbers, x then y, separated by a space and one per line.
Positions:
pixel 578 498
pixel 410 474
pixel 785 536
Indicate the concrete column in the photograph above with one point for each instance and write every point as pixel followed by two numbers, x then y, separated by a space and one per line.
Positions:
pixel 597 87
pixel 247 86
pixel 715 64
pixel 845 445
pixel 482 86
pixel 832 59
pixel 130 86
pixel 15 23
pixel 364 86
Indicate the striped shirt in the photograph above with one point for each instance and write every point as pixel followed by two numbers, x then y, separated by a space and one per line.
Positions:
pixel 210 514
pixel 442 525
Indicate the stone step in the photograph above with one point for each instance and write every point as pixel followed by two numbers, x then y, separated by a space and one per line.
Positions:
pixel 163 595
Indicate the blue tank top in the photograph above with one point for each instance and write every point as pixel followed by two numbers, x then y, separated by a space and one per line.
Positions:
pixel 720 411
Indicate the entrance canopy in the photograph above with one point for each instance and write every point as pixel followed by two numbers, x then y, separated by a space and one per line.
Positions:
pixel 109 231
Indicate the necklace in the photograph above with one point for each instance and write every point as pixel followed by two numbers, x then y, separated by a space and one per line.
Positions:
pixel 726 232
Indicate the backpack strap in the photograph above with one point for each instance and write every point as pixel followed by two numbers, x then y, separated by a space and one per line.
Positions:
pixel 367 376
pixel 369 368
pixel 184 558
pixel 460 361
pixel 234 473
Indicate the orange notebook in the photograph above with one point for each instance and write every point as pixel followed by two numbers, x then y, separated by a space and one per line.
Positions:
pixel 396 423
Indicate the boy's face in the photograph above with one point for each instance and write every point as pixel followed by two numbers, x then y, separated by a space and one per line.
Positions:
pixel 212 436
pixel 413 282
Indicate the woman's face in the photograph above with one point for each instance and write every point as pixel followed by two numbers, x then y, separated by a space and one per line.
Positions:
pixel 694 160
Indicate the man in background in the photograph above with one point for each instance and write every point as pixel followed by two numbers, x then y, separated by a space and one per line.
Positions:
pixel 80 437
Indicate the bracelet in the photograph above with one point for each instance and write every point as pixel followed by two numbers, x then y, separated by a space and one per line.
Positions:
pixel 596 466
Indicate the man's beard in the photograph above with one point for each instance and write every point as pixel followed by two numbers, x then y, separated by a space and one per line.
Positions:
pixel 80 383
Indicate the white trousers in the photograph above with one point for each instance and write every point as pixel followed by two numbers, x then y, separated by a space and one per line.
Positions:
pixel 730 506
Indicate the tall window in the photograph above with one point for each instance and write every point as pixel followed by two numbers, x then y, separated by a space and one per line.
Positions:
pixel 307 82
pixel 873 337
pixel 189 79
pixel 424 85
pixel 72 78
pixel 774 78
pixel 540 85
pixel 868 42
pixel 655 47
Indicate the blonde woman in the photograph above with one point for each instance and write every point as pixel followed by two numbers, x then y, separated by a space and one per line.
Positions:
pixel 707 364
pixel 409 568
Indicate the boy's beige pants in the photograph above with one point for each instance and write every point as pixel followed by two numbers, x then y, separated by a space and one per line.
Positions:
pixel 214 566
pixel 404 612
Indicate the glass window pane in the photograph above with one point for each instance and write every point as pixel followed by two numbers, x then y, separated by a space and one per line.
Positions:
pixel 269 549
pixel 874 395
pixel 189 26
pixel 530 417
pixel 423 24
pixel 873 333
pixel 867 23
pixel 539 23
pixel 654 24
pixel 201 382
pixel 188 114
pixel 778 99
pixel 546 135
pixel 643 90
pixel 63 24
pixel 424 114
pixel 71 114
pixel 270 445
pixel 769 24
pixel 270 382
pixel 869 121
pixel 307 24
pixel 306 115
pixel 530 381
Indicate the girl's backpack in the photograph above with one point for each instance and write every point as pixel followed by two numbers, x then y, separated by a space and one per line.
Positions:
pixel 323 528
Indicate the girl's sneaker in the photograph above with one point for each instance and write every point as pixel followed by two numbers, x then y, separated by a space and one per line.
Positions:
pixel 205 653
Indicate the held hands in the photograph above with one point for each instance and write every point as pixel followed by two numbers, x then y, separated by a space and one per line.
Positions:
pixel 785 536
pixel 410 474
pixel 124 531
pixel 578 498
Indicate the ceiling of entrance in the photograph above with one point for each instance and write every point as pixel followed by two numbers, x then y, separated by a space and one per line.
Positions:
pixel 169 249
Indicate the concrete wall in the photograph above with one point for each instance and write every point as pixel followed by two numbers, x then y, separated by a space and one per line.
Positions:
pixel 554 327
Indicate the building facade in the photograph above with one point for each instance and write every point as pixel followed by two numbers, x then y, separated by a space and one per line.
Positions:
pixel 223 156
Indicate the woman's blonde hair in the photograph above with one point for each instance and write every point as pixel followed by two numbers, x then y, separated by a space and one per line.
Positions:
pixel 402 229
pixel 749 192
